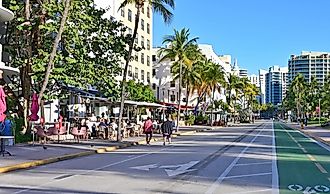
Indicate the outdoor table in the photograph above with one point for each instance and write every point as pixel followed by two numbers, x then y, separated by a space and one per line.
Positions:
pixel 3 145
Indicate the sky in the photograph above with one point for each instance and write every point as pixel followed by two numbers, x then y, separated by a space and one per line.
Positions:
pixel 258 33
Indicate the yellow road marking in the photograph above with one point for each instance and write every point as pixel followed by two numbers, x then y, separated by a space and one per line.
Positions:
pixel 320 167
pixel 311 157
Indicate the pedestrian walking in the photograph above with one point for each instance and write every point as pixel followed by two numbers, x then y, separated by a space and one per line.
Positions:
pixel 147 129
pixel 167 129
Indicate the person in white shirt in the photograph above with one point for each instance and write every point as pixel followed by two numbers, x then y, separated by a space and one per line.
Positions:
pixel 114 127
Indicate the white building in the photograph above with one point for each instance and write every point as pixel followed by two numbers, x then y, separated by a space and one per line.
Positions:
pixel 262 85
pixel 243 73
pixel 141 67
pixel 310 64
pixel 167 91
pixel 254 79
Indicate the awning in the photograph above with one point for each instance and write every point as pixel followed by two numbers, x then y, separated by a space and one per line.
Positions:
pixel 5 14
pixel 8 72
pixel 176 106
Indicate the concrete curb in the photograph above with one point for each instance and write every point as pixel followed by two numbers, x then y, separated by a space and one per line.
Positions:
pixel 26 165
pixel 310 135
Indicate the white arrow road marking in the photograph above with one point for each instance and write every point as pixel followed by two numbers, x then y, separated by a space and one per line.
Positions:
pixel 145 167
pixel 182 168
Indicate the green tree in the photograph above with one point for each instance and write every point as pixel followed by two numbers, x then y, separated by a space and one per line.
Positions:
pixel 159 6
pixel 215 80
pixel 298 87
pixel 178 50
pixel 89 52
pixel 140 92
pixel 190 71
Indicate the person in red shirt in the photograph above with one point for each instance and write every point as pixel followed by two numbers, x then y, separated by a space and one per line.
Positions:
pixel 147 129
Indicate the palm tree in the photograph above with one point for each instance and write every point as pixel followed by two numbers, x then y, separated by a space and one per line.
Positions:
pixel 159 6
pixel 202 87
pixel 178 50
pixel 190 71
pixel 233 85
pixel 299 88
pixel 215 80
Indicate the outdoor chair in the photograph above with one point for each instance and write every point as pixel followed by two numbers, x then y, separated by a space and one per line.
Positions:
pixel 79 133
pixel 58 132
pixel 137 130
pixel 42 134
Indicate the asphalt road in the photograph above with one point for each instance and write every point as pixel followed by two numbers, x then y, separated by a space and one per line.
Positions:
pixel 227 160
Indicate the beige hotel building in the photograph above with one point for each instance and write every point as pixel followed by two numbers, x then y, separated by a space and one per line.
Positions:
pixel 141 67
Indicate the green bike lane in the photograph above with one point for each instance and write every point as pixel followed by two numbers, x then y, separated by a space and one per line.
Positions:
pixel 303 165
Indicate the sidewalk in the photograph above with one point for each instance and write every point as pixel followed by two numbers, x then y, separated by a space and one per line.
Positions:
pixel 28 155
pixel 318 133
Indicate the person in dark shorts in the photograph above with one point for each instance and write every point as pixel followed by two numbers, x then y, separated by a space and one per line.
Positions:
pixel 167 129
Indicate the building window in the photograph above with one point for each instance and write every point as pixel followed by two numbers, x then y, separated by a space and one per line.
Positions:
pixel 153 86
pixel 136 75
pixel 172 84
pixel 122 12
pixel 148 44
pixel 136 39
pixel 172 98
pixel 142 41
pixel 148 61
pixel 136 57
pixel 153 58
pixel 153 72
pixel 142 9
pixel 184 99
pixel 142 58
pixel 148 12
pixel 129 14
pixel 130 70
pixel 148 77
pixel 142 24
pixel 130 31
pixel 142 75
pixel 148 28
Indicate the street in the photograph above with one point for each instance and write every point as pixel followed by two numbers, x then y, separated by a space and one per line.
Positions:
pixel 229 160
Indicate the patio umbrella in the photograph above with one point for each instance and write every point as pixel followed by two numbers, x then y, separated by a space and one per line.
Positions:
pixel 34 108
pixel 3 105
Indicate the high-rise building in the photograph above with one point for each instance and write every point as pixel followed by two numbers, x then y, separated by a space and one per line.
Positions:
pixel 262 85
pixel 276 84
pixel 243 73
pixel 254 79
pixel 141 67
pixel 310 64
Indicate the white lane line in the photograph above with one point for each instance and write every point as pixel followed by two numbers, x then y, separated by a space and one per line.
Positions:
pixel 228 169
pixel 275 189
pixel 320 167
pixel 248 175
pixel 304 150
pixel 255 163
pixel 89 171
pixel 257 191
